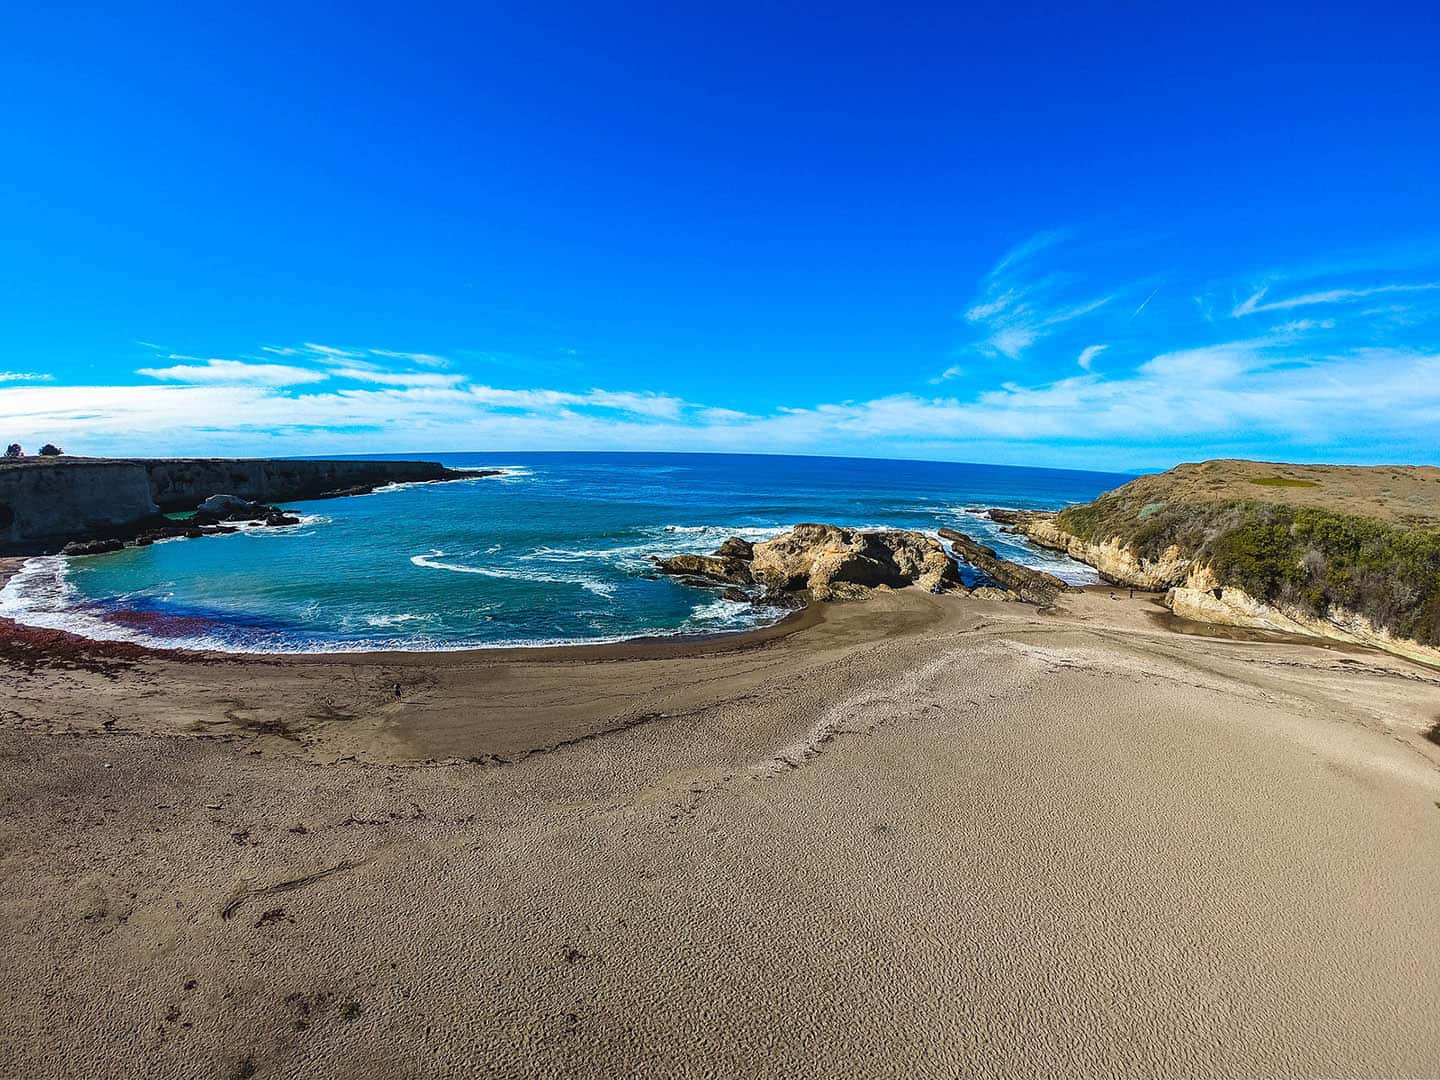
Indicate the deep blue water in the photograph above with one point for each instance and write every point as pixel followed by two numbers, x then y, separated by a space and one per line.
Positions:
pixel 553 551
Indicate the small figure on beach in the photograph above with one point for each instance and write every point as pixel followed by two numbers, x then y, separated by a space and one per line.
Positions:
pixel 397 691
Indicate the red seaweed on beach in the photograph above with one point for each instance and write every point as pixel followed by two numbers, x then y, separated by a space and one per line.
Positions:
pixel 29 648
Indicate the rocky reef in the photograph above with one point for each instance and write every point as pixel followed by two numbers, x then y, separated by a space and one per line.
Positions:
pixel 1031 586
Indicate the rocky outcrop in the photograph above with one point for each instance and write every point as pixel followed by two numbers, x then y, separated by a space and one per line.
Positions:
pixel 1001 516
pixel 824 561
pixel 45 502
pixel 1116 562
pixel 91 547
pixel 737 548
pixel 833 563
pixel 1032 586
pixel 218 508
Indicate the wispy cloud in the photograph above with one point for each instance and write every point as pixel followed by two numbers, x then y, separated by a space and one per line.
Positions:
pixel 24 376
pixel 235 372
pixel 397 378
pixel 641 404
pixel 332 351
pixel 424 359
pixel 1014 309
pixel 1256 302
pixel 1088 355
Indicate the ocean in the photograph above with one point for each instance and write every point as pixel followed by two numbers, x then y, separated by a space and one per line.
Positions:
pixel 553 551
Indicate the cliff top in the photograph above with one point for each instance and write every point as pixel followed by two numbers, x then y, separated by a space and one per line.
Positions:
pixel 1399 494
pixel 36 461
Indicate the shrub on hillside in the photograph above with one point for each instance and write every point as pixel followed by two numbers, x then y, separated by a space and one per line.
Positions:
pixel 1315 559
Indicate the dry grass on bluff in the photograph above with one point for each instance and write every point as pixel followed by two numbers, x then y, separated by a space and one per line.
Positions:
pixel 1401 494
pixel 1321 537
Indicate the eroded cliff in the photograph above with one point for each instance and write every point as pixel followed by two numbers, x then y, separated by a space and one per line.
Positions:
pixel 1347 553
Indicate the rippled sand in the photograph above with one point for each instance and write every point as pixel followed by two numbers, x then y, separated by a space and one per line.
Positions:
pixel 921 836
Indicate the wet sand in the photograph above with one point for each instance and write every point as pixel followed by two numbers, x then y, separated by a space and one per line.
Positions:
pixel 916 836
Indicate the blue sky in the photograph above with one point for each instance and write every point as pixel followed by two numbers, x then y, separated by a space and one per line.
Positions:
pixel 1118 238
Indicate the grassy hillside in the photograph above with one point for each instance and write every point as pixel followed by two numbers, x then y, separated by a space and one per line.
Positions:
pixel 1402 494
pixel 1267 530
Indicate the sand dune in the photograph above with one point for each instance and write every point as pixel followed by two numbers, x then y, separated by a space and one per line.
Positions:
pixel 919 836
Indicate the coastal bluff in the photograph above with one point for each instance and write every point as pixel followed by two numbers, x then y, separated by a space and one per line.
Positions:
pixel 45 502
pixel 1350 553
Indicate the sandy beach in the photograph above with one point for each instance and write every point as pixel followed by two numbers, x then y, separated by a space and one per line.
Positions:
pixel 915 836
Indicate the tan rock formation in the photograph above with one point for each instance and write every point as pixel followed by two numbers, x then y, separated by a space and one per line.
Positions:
pixel 1115 561
pixel 830 562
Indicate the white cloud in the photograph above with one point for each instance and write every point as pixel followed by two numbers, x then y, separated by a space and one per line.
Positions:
pixel 236 372
pixel 1314 383
pixel 1202 397
pixel 24 376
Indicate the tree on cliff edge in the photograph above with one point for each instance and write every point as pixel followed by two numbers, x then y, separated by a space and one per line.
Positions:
pixel 14 451
pixel 50 450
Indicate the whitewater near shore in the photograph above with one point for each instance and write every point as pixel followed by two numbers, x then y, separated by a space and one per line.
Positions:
pixel 915 836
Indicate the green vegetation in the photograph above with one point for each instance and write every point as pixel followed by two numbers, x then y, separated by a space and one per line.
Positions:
pixel 1282 481
pixel 1313 558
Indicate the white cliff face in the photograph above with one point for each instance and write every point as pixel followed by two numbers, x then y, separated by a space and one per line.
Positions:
pixel 1113 559
pixel 47 500
pixel 1203 598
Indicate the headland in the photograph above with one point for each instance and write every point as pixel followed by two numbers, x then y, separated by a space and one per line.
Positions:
pixel 930 831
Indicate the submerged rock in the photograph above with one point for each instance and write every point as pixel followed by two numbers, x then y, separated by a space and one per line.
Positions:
pixel 724 568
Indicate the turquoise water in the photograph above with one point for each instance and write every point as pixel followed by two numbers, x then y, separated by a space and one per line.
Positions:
pixel 553 551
